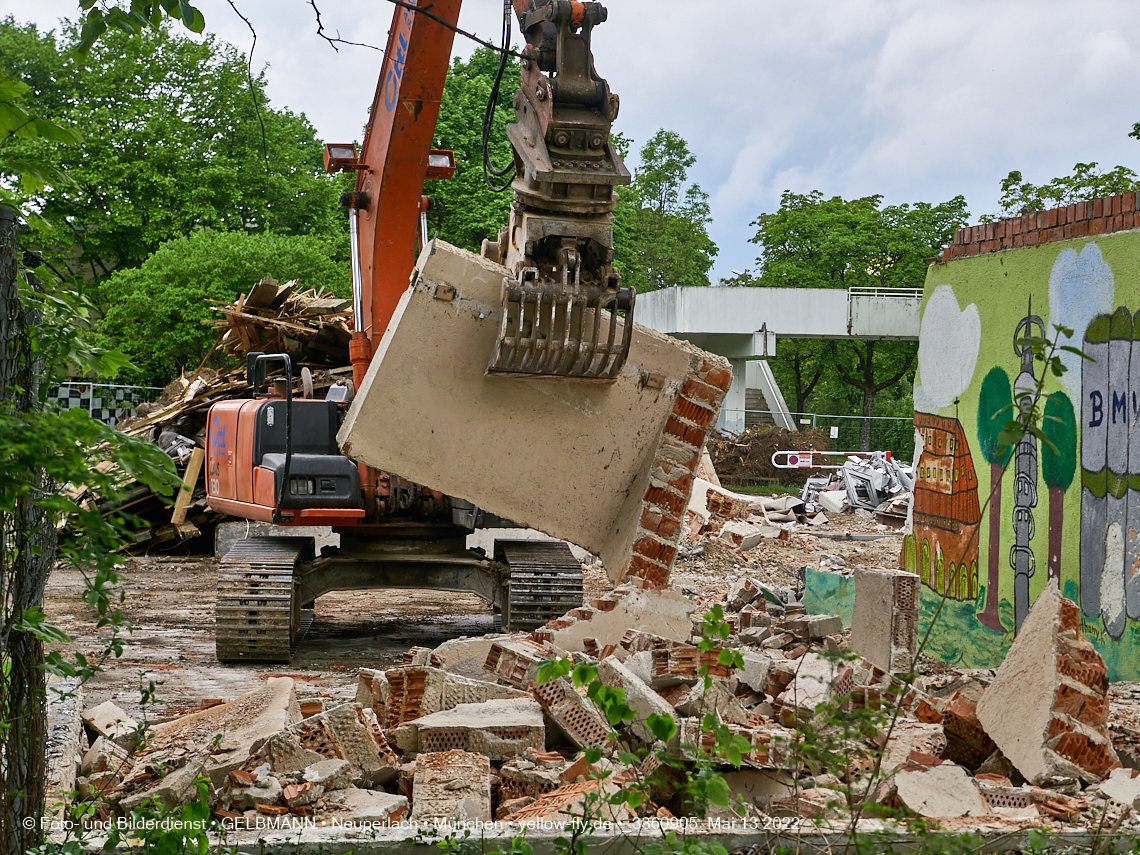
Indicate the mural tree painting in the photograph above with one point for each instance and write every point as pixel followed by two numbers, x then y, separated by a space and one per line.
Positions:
pixel 1058 466
pixel 994 401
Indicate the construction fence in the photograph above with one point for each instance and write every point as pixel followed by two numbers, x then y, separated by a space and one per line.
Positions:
pixel 888 433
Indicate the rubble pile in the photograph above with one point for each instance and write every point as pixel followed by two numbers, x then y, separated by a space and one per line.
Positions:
pixel 747 458
pixel 432 739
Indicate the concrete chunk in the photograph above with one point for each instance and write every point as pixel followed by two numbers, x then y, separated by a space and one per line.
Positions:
pixel 266 792
pixel 452 785
pixel 664 612
pixel 576 716
pixel 501 729
pixel 429 375
pixel 1047 707
pixel 372 692
pixel 370 806
pixel 242 724
pixel 815 683
pixel 330 774
pixel 939 792
pixel 640 698
pixel 110 721
pixel 180 787
pixel 1122 786
pixel 465 656
pixel 814 626
pixel 884 624
pixel 418 691
pixel 345 732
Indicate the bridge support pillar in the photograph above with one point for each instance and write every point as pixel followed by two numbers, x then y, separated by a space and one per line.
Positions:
pixel 732 410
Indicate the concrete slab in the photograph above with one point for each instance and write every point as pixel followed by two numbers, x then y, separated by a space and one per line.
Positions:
pixel 1047 707
pixel 608 466
pixel 466 656
pixel 641 699
pixel 664 612
pixel 420 690
pixel 884 626
pixel 1122 786
pixel 109 720
pixel 370 806
pixel 243 722
pixel 940 791
pixel 452 785
pixel 500 729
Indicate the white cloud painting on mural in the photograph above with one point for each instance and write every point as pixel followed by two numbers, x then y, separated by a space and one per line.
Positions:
pixel 948 344
pixel 1081 286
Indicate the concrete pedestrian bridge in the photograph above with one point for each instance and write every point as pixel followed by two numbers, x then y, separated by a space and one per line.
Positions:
pixel 744 325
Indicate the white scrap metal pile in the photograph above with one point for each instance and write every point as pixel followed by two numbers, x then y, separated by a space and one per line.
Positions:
pixel 874 481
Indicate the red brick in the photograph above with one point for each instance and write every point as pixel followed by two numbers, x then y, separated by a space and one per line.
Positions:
pixel 1098 207
pixel 693 436
pixel 701 416
pixel 695 390
pixel 721 378
pixel 684 482
pixel 666 499
pixel 655 550
pixel 1129 220
pixel 1116 209
pixel 1117 221
pixel 1097 226
pixel 668 528
pixel 1081 229
pixel 650 519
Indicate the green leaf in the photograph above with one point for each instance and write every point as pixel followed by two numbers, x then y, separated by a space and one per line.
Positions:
pixel 191 17
pixel 663 727
pixel 552 669
pixel 592 755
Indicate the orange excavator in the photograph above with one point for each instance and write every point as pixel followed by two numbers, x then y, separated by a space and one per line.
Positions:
pixel 274 457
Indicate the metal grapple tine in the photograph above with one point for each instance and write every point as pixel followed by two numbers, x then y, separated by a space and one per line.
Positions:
pixel 627 335
pixel 532 339
pixel 569 355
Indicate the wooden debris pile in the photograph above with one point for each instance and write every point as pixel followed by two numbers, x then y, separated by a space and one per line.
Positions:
pixel 311 325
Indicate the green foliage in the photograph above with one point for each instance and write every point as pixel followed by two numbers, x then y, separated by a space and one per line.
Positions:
pixel 466 211
pixel 172 142
pixel 156 313
pixel 1086 182
pixel 994 400
pixel 1027 416
pixel 134 18
pixel 160 831
pixel 27 172
pixel 813 242
pixel 1059 457
pixel 661 235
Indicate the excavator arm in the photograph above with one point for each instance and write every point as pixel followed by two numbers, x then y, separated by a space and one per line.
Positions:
pixel 562 302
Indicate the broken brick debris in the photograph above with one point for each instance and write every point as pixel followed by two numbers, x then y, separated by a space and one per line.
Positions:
pixel 1047 707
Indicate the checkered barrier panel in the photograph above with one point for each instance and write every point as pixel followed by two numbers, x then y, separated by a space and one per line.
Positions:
pixel 102 401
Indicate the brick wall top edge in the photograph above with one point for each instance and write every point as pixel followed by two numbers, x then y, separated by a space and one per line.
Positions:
pixel 1034 228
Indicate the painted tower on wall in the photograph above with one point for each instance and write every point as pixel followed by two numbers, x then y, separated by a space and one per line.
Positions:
pixel 1062 506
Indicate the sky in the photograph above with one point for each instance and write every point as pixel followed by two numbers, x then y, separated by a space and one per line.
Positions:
pixel 914 101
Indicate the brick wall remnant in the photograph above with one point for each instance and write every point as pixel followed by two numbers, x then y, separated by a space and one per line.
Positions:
pixel 1047 707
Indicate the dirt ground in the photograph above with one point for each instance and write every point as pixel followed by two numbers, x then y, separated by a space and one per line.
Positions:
pixel 170 604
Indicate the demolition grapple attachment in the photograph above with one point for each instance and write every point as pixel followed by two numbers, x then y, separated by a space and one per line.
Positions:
pixel 565 313
pixel 562 328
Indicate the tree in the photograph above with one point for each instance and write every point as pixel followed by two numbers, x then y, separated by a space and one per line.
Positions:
pixel 1086 182
pixel 174 141
pixel 995 401
pixel 813 242
pixel 156 312
pixel 466 211
pixel 661 235
pixel 1058 466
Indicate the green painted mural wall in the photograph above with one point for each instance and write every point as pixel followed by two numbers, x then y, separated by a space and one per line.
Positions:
pixel 1073 515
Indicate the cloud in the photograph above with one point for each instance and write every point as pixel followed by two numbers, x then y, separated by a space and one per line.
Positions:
pixel 1081 286
pixel 948 344
pixel 908 99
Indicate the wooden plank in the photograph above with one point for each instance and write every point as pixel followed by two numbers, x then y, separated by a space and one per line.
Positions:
pixel 186 494
pixel 262 294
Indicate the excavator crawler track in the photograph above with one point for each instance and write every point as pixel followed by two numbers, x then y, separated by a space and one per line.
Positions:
pixel 545 583
pixel 257 608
